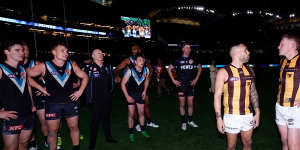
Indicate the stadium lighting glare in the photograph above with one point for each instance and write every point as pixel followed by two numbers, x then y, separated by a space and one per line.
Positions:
pixel 277 16
pixel 47 26
pixel 292 15
pixel 249 12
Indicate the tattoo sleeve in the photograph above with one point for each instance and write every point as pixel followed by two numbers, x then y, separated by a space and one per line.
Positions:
pixel 218 115
pixel 254 96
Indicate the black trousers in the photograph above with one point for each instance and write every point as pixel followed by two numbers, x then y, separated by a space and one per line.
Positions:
pixel 101 110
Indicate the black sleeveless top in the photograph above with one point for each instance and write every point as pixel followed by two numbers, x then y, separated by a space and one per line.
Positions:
pixel 14 94
pixel 59 82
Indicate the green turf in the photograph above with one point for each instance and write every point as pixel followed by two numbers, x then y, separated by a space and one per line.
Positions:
pixel 169 136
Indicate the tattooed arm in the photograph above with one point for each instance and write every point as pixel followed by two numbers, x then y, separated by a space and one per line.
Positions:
pixel 255 104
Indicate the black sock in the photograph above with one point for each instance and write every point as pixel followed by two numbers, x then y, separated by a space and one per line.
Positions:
pixel 190 118
pixel 148 120
pixel 130 130
pixel 75 147
pixel 59 130
pixel 183 119
pixel 136 122
pixel 142 128
pixel 32 143
pixel 46 139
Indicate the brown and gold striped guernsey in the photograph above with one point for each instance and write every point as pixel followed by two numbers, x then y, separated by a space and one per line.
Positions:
pixel 237 90
pixel 289 82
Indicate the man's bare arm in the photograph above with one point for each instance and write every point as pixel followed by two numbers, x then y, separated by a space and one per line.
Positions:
pixel 121 66
pixel 222 76
pixel 82 75
pixel 37 70
pixel 219 84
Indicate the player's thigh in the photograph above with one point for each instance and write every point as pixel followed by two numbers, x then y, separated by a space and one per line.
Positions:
pixel 182 100
pixel 190 100
pixel 25 136
pixel 72 122
pixel 131 110
pixel 231 139
pixel 41 115
pixel 293 137
pixel 246 136
pixel 10 141
pixel 53 125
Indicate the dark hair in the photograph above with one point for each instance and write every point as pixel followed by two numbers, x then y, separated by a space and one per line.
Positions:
pixel 139 55
pixel 135 44
pixel 293 37
pixel 185 43
pixel 55 44
pixel 24 43
pixel 8 43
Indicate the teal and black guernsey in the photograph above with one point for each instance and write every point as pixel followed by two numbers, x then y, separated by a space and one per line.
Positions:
pixel 59 82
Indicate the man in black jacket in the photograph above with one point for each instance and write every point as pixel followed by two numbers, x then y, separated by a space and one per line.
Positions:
pixel 99 92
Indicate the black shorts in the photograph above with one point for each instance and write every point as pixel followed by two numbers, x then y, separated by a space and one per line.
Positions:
pixel 39 102
pixel 137 99
pixel 54 111
pixel 16 126
pixel 185 90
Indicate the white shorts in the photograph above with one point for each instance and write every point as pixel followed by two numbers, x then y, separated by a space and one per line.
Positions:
pixel 288 116
pixel 234 124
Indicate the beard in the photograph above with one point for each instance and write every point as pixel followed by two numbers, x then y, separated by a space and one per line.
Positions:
pixel 245 59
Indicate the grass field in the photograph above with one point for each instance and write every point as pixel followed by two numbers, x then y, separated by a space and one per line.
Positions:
pixel 169 136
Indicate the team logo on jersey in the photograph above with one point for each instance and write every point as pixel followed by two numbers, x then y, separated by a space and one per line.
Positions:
pixel 191 61
pixel 137 78
pixel 232 79
pixel 20 83
pixel 11 76
pixel 60 79
pixel 289 75
pixel 68 72
pixel 53 72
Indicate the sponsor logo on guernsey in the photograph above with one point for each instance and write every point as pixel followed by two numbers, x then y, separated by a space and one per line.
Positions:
pixel 15 128
pixel 182 62
pixel 60 79
pixel 232 79
pixel 186 67
pixel 248 77
pixel 20 83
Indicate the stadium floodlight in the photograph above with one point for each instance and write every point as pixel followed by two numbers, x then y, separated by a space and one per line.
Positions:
pixel 292 15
